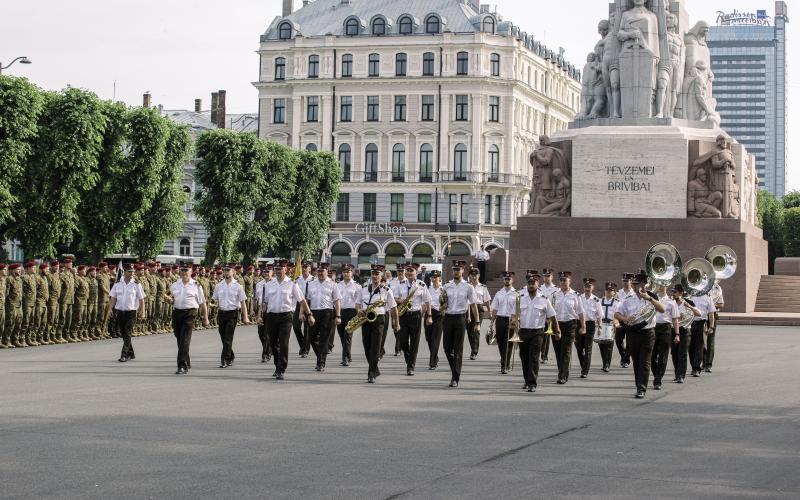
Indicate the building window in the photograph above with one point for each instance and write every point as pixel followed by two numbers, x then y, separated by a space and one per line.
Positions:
pixel 406 25
pixel 347 65
pixel 487 209
pixel 374 65
pixel 285 31
pixel 379 26
pixel 494 108
pixel 453 208
pixel 424 208
pixel 432 25
pixel 462 63
pixel 498 209
pixel 185 247
pixel 369 207
pixel 279 111
pixel 488 24
pixel 313 66
pixel 352 27
pixel 460 163
pixel 346 109
pixel 280 68
pixel 427 108
pixel 343 207
pixel 464 208
pixel 495 64
pixel 400 64
pixel 311 147
pixel 345 161
pixel 494 163
pixel 428 64
pixel 462 108
pixel 373 108
pixel 371 163
pixel 398 163
pixel 399 108
pixel 397 207
pixel 426 163
pixel 312 109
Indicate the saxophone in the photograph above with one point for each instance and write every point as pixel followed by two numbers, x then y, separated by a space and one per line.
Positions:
pixel 442 300
pixel 405 306
pixel 369 316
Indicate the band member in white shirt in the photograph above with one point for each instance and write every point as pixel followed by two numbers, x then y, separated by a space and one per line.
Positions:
pixel 535 311
pixel 701 323
pixel 619 338
pixel 231 299
pixel 547 289
pixel 301 328
pixel 282 297
pixel 571 322
pixel 259 297
pixel 667 333
pixel 503 307
pixel 325 302
pixel 680 348
pixel 350 293
pixel 411 321
pixel 433 329
pixel 393 284
pixel 640 337
pixel 482 256
pixel 485 299
pixel 372 331
pixel 460 298
pixel 186 297
pixel 711 334
pixel 126 297
pixel 608 306
pixel 594 316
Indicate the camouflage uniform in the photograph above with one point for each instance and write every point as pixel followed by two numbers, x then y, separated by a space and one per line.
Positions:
pixel 53 309
pixel 103 287
pixel 78 329
pixel 5 340
pixel 160 303
pixel 67 299
pixel 141 328
pixel 42 296
pixel 27 332
pixel 249 283
pixel 14 310
pixel 150 301
pixel 91 307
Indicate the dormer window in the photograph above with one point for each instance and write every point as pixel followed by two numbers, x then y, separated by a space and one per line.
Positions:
pixel 488 24
pixel 285 31
pixel 352 27
pixel 433 25
pixel 406 25
pixel 379 26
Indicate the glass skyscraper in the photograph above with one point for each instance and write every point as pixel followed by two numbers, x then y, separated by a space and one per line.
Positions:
pixel 748 58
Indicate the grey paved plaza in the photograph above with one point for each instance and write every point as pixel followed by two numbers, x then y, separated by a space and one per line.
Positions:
pixel 75 423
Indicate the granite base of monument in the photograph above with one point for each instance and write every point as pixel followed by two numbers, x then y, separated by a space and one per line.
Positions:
pixel 604 248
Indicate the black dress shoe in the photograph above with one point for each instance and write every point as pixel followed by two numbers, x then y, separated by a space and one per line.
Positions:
pixel 317 368
pixel 606 369
pixel 370 380
pixel 279 376
pixel 410 372
pixel 321 368
pixel 275 373
pixel 122 359
pixel 583 375
pixel 344 362
pixel 657 387
pixel 695 373
pixel 179 372
pixel 562 381
pixel 453 383
pixel 223 365
pixel 707 370
pixel 531 388
pixel 503 371
pixel 473 356
pixel 526 387
pixel 263 359
pixel 639 395
pixel 679 381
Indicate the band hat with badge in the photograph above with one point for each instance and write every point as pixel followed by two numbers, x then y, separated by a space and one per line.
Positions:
pixel 377 269
pixel 532 272
pixel 436 274
pixel 507 275
pixel 587 282
pixel 610 285
pixel 678 288
pixel 564 275
pixel 547 271
pixel 459 264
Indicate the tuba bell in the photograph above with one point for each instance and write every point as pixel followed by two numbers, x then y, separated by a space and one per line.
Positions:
pixel 697 277
pixel 663 264
pixel 723 260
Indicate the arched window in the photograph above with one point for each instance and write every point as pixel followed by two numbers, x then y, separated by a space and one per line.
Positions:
pixel 460 162
pixel 428 64
pixel 398 163
pixel 462 63
pixel 426 163
pixel 494 163
pixel 185 247
pixel 488 24
pixel 371 163
pixel 347 65
pixel 366 253
pixel 345 161
pixel 495 64
pixel 313 66
pixel 187 207
pixel 406 25
pixel 422 254
pixel 311 147
pixel 285 31
pixel 395 254
pixel 457 249
pixel 340 253
pixel 280 68
pixel 379 26
pixel 351 27
pixel 374 65
pixel 433 25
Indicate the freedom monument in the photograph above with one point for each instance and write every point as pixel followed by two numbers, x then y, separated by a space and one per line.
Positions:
pixel 644 161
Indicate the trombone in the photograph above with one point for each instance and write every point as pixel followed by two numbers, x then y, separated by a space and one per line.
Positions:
pixel 513 332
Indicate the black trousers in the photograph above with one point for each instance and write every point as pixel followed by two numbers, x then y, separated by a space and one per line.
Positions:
pixel 385 333
pixel 371 337
pixel 680 353
pixel 409 333
pixel 583 346
pixel 344 337
pixel 563 347
pixel 546 346
pixel 661 348
pixel 226 324
pixel 301 331
pixel 319 333
pixel 482 269
pixel 279 329
pixel 640 346
pixel 529 351
pixel 696 345
pixel 182 324
pixel 708 352
pixel 125 321
pixel 501 327
pixel 453 329
pixel 619 339
pixel 433 336
pixel 263 336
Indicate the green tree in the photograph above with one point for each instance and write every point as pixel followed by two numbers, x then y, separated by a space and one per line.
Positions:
pixel 791 199
pixel 791 231
pixel 165 218
pixel 770 217
pixel 61 169
pixel 20 106
pixel 228 171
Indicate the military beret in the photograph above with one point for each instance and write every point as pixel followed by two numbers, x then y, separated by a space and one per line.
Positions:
pixel 250 268
pixel 53 263
pixel 66 260
pixel 2 266
pixel 102 265
pixel 151 264
pixel 13 266
pixel 43 265
pixel 91 268
pixel 81 267
pixel 30 264
pixel 194 275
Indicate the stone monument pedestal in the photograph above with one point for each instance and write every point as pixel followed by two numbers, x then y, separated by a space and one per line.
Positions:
pixel 603 248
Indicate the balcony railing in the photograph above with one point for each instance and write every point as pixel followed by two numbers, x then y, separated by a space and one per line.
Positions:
pixel 446 176
pixel 370 176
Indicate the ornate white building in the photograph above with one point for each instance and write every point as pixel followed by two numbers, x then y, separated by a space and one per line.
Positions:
pixel 432 109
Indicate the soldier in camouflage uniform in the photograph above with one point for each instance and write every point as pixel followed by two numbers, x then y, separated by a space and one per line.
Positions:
pixel 249 284
pixel 140 328
pixel 67 299
pixel 103 287
pixel 160 301
pixel 5 339
pixel 14 306
pixel 42 297
pixel 150 300
pixel 28 328
pixel 91 304
pixel 77 329
pixel 53 308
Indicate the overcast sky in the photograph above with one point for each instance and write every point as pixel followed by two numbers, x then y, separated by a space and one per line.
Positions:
pixel 180 50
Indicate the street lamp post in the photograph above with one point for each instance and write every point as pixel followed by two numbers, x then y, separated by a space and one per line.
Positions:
pixel 21 59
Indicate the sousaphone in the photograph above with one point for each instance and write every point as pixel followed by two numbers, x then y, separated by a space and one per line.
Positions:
pixel 697 277
pixel 663 264
pixel 723 260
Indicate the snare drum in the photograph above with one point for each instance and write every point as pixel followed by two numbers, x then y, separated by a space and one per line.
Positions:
pixel 606 334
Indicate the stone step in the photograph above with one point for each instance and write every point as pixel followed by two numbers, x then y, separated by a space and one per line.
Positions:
pixel 778 294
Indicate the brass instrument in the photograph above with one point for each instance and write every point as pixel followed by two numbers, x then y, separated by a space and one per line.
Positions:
pixel 723 260
pixel 368 316
pixel 551 330
pixel 687 316
pixel 405 306
pixel 662 264
pixel 443 300
pixel 513 333
pixel 491 336
pixel 697 277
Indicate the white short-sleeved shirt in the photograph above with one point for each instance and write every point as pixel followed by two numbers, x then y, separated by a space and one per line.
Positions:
pixel 632 305
pixel 534 311
pixel 421 296
pixel 259 294
pixel 127 295
pixel 548 290
pixel 622 295
pixel 672 311
pixel 435 294
pixel 188 296
pixel 229 296
pixel 568 305
pixel 322 294
pixel 608 307
pixel 459 297
pixel 591 308
pixel 505 302
pixel 706 306
pixel 382 293
pixel 350 294
pixel 282 296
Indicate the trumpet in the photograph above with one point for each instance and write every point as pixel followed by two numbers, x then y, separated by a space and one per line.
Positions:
pixel 368 316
